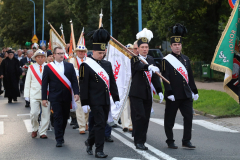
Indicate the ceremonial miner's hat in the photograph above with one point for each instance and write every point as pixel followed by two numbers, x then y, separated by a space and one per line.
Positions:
pixel 80 48
pixel 144 37
pixel 178 31
pixel 39 52
pixel 10 51
pixel 99 38
pixel 35 45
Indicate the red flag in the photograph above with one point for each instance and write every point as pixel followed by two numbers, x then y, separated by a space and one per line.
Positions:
pixel 71 46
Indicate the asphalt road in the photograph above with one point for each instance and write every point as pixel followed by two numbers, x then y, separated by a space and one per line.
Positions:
pixel 213 142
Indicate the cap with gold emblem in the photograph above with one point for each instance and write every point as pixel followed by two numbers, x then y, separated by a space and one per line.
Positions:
pixel 144 36
pixel 99 38
pixel 176 39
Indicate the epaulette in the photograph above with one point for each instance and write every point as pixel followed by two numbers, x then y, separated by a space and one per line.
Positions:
pixel 135 59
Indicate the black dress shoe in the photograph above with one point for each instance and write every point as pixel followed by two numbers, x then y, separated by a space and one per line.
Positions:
pixel 114 126
pixel 119 121
pixel 125 129
pixel 76 126
pixel 59 144
pixel 100 155
pixel 89 148
pixel 172 145
pixel 1 92
pixel 9 101
pixel 27 105
pixel 188 145
pixel 141 146
pixel 15 99
pixel 108 139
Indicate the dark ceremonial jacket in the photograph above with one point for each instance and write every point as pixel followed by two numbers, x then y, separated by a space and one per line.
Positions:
pixel 140 86
pixel 24 60
pixel 11 71
pixel 57 90
pixel 178 85
pixel 93 90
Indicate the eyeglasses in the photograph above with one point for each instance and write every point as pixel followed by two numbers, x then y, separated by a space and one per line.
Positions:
pixel 134 48
pixel 60 53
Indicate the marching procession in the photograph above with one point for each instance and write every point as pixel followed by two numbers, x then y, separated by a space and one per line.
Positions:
pixel 107 89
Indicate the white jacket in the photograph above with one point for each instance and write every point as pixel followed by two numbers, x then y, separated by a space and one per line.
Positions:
pixel 32 88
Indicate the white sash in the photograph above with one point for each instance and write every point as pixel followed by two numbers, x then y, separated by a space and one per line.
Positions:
pixel 74 105
pixel 177 65
pixel 99 70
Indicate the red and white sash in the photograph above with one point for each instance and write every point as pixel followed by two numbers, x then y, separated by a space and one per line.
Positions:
pixel 149 77
pixel 99 70
pixel 36 72
pixel 66 56
pixel 65 81
pixel 177 65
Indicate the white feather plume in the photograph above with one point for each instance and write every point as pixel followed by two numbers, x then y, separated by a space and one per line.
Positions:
pixel 145 33
pixel 35 45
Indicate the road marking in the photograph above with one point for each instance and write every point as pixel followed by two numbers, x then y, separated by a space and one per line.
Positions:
pixel 151 148
pixel 1 127
pixel 131 145
pixel 118 158
pixel 213 127
pixel 28 124
pixel 3 116
pixel 28 114
pixel 161 122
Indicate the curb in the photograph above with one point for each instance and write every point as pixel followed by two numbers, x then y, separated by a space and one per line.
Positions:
pixel 196 111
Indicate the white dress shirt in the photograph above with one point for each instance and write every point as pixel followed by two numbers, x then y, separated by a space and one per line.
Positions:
pixel 19 58
pixel 60 66
pixel 79 60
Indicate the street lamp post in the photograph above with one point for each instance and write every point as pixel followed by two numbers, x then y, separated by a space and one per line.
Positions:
pixel 43 22
pixel 139 15
pixel 34 17
pixel 111 17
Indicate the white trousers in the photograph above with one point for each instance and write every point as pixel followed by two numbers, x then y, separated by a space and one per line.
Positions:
pixel 45 116
pixel 82 118
pixel 126 117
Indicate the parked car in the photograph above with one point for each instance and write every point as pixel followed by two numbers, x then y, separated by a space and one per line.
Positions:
pixel 157 56
pixel 89 54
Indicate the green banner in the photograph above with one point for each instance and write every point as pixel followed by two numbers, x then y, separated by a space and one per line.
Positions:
pixel 226 55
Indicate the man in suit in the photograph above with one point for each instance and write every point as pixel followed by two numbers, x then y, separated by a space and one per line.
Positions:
pixel 97 82
pixel 26 61
pixel 143 76
pixel 32 90
pixel 179 94
pixel 61 78
pixel 19 55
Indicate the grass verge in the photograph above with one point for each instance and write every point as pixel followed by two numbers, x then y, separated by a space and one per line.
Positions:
pixel 216 103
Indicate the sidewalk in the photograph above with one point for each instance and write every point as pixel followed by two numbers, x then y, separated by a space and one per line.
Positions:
pixel 210 86
pixel 232 123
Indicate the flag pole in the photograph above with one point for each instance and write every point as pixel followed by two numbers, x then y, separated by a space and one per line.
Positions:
pixel 100 19
pixel 57 33
pixel 131 53
pixel 73 38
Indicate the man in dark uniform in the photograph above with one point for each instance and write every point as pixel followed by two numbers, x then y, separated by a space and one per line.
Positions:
pixel 143 75
pixel 97 82
pixel 179 94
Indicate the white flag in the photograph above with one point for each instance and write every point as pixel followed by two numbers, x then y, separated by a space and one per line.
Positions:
pixel 121 66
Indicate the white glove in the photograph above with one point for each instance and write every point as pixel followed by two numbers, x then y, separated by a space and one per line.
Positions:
pixel 117 103
pixel 27 99
pixel 77 72
pixel 85 108
pixel 153 68
pixel 196 96
pixel 161 97
pixel 171 97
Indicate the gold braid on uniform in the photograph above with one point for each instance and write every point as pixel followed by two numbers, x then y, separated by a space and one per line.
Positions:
pixel 135 59
pixel 81 72
pixel 163 65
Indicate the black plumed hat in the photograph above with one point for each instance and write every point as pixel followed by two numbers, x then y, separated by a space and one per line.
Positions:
pixel 99 39
pixel 178 30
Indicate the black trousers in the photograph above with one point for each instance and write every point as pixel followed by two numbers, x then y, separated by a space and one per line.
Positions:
pixel 142 111
pixel 185 107
pixel 133 119
pixel 108 129
pixel 97 133
pixel 61 113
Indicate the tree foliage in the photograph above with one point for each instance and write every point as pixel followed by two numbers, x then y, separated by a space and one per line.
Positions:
pixel 204 19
